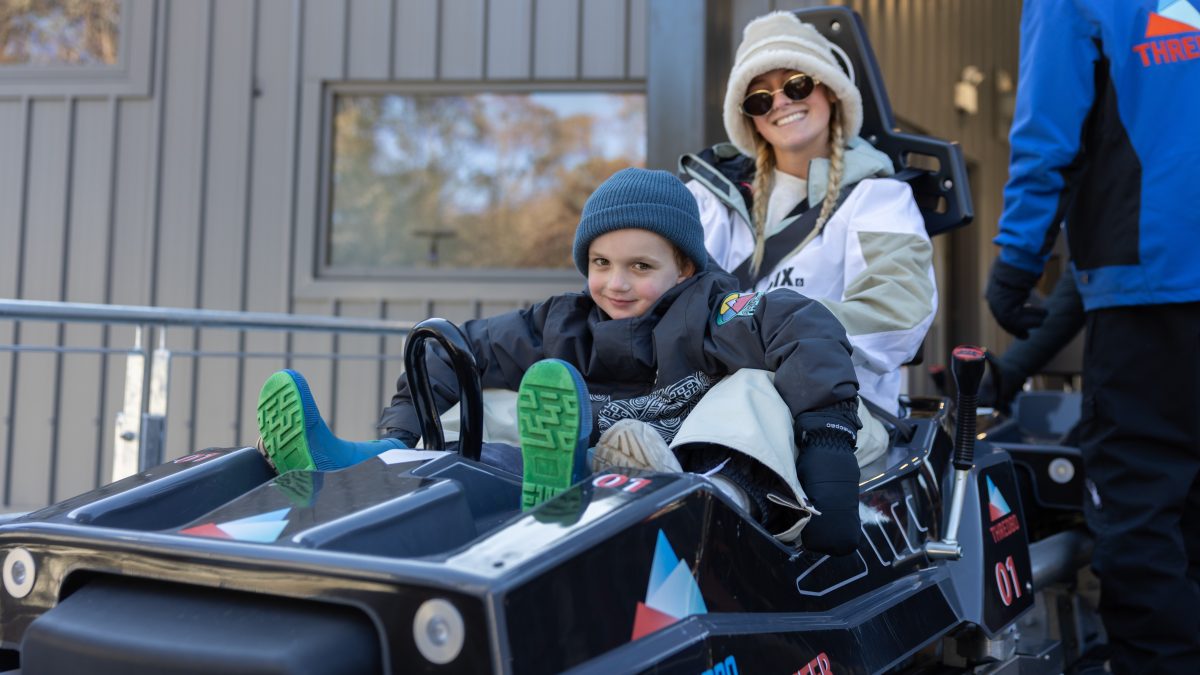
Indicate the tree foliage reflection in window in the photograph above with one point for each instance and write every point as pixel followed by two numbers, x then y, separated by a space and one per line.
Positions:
pixel 472 181
pixel 59 32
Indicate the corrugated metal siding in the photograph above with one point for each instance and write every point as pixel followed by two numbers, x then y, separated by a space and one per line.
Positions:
pixel 194 197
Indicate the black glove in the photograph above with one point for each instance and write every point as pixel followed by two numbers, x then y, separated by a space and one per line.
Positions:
pixel 828 472
pixel 1000 384
pixel 1008 294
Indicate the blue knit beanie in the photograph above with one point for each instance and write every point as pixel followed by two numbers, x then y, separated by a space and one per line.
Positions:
pixel 646 200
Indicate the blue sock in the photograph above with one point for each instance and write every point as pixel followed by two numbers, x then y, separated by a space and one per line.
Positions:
pixel 294 435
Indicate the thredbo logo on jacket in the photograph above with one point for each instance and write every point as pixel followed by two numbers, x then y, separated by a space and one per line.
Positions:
pixel 1175 29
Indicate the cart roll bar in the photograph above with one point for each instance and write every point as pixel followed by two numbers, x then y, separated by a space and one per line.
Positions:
pixel 966 364
pixel 451 339
pixel 1059 556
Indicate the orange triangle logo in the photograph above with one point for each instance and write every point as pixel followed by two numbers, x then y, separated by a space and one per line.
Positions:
pixel 1159 25
pixel 206 530
pixel 647 620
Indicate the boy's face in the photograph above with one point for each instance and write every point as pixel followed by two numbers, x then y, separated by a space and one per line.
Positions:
pixel 629 270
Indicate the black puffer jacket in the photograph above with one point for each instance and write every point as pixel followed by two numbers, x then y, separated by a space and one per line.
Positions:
pixel 657 366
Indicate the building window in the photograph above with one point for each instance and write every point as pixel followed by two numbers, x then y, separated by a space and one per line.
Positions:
pixel 59 32
pixel 463 181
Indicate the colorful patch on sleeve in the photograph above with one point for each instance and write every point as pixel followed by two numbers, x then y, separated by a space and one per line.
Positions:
pixel 737 304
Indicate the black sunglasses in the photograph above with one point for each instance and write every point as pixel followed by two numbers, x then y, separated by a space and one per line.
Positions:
pixel 797 87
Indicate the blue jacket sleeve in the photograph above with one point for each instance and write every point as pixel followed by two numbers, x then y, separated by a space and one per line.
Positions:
pixel 1055 91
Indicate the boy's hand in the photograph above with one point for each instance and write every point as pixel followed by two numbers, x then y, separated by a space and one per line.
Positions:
pixel 830 478
pixel 828 472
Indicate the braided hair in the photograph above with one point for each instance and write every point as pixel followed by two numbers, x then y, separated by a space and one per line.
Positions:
pixel 764 182
pixel 837 167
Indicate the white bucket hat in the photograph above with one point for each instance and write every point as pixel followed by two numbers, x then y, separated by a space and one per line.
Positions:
pixel 781 40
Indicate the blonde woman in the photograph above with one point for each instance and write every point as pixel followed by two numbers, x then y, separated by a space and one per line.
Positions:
pixel 799 201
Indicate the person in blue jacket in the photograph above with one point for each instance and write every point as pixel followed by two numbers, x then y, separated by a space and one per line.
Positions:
pixel 1106 137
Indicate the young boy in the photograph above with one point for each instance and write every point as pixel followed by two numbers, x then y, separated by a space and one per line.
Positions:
pixel 655 332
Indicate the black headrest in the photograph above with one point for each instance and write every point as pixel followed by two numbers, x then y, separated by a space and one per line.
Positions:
pixel 935 168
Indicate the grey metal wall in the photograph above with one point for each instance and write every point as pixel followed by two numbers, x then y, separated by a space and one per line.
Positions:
pixel 200 191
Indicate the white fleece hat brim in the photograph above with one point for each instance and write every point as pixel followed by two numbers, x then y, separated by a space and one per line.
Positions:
pixel 780 40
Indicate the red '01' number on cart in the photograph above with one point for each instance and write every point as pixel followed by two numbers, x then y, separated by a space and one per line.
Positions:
pixel 619 480
pixel 1007 582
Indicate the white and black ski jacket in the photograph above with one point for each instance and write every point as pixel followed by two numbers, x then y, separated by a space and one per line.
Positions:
pixel 871 264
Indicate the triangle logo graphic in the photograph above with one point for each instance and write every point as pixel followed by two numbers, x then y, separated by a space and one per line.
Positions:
pixel 206 530
pixel 671 592
pixel 1172 18
pixel 647 620
pixel 263 528
pixel 997 506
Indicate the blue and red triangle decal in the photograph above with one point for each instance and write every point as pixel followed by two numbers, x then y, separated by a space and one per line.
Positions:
pixel 997 506
pixel 263 528
pixel 672 593
pixel 1172 18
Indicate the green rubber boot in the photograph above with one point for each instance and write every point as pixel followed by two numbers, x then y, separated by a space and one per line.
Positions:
pixel 295 438
pixel 554 419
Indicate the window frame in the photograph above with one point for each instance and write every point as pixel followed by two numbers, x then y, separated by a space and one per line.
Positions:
pixel 130 76
pixel 325 272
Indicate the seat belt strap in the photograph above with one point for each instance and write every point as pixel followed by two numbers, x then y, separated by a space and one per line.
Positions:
pixel 905 429
pixel 779 245
pixel 786 241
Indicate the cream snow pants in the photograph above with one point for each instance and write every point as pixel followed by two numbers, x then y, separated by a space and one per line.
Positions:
pixel 743 412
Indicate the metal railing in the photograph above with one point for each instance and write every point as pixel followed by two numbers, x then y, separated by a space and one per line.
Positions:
pixel 139 426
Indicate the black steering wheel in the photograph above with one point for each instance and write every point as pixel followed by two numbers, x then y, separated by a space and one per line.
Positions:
pixel 470 442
